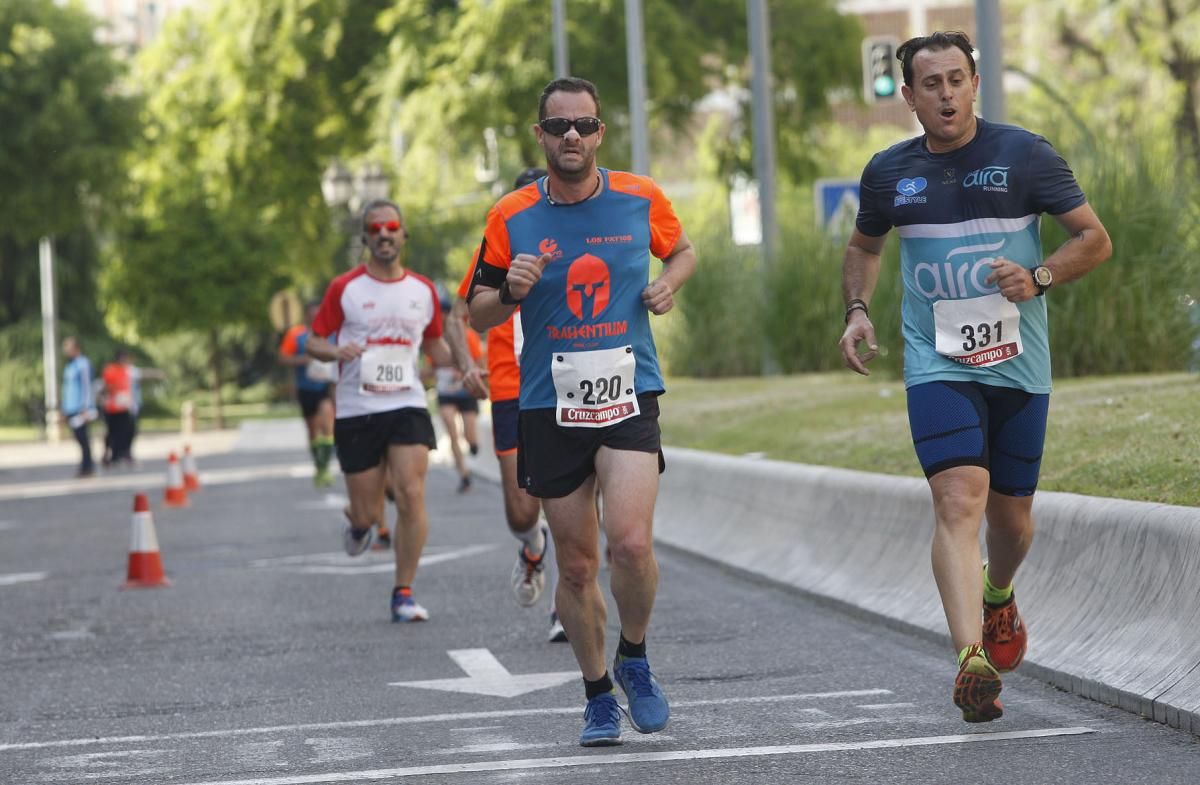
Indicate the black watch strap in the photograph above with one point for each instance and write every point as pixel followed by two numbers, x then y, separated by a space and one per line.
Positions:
pixel 506 295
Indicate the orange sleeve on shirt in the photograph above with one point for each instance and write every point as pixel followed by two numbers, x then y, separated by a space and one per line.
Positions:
pixel 496 249
pixel 290 339
pixel 665 228
pixel 464 285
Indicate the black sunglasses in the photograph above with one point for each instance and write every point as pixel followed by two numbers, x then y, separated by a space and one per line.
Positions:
pixel 558 126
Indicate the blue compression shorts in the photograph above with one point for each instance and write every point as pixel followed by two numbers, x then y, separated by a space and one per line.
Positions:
pixel 1001 429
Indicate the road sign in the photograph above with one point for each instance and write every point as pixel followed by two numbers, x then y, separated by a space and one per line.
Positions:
pixel 285 309
pixel 836 202
pixel 745 213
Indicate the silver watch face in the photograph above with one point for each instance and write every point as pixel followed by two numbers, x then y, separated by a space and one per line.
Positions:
pixel 1043 276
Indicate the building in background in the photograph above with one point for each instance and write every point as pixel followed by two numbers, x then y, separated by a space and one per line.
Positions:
pixel 899 20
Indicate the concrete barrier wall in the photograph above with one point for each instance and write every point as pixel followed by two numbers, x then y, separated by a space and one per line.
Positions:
pixel 1108 591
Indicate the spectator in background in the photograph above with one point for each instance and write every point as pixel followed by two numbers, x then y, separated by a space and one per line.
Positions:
pixel 78 404
pixel 118 409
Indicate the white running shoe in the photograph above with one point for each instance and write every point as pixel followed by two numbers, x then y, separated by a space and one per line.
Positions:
pixel 355 545
pixel 557 633
pixel 407 609
pixel 529 575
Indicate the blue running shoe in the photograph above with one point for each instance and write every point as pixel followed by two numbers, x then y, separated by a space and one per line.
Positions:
pixel 406 609
pixel 648 709
pixel 601 722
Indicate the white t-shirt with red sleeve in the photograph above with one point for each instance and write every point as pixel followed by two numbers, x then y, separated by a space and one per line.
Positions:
pixel 390 319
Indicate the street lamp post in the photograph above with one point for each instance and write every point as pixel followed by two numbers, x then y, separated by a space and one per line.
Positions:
pixel 348 193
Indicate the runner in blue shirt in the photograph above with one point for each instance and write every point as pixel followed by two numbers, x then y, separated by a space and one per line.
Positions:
pixel 573 248
pixel 966 199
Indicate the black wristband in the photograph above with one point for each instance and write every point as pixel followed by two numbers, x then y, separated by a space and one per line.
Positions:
pixel 506 295
pixel 856 305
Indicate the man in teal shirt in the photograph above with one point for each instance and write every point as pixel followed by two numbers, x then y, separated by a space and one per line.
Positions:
pixel 78 405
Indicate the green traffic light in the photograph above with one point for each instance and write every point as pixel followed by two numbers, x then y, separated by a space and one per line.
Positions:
pixel 885 86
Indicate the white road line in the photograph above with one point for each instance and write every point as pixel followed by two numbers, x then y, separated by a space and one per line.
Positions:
pixel 885 706
pixel 850 723
pixel 22 577
pixel 338 563
pixel 650 757
pixel 418 720
pixel 146 481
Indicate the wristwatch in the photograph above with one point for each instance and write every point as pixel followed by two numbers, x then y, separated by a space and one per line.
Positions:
pixel 1042 278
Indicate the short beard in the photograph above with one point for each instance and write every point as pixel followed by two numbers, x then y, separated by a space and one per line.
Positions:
pixel 568 176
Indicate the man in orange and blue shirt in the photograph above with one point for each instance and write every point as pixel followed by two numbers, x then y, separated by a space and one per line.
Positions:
pixel 573 250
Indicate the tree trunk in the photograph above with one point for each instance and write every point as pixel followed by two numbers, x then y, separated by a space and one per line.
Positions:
pixel 215 360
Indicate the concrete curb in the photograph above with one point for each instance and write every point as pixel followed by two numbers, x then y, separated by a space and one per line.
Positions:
pixel 1103 588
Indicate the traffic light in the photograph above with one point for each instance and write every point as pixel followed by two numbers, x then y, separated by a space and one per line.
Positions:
pixel 881 69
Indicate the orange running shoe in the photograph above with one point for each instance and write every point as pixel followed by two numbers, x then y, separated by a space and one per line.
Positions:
pixel 977 687
pixel 1004 636
pixel 383 540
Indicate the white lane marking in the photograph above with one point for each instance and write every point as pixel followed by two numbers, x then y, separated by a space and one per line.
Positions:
pixel 331 501
pixel 417 720
pixel 651 757
pixel 822 724
pixel 7 525
pixel 22 577
pixel 81 634
pixel 337 563
pixel 147 481
pixel 339 748
pixel 95 765
pixel 487 676
pixel 885 706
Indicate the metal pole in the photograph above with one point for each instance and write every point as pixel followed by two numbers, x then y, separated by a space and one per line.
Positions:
pixel 562 60
pixel 764 123
pixel 763 96
pixel 635 47
pixel 49 338
pixel 988 25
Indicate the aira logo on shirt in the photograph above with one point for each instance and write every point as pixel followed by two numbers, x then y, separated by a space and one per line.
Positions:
pixel 908 188
pixel 989 178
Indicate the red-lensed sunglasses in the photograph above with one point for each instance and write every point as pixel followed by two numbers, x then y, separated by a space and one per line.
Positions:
pixel 376 228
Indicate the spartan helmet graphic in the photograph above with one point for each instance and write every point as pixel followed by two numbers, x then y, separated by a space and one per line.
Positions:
pixel 588 283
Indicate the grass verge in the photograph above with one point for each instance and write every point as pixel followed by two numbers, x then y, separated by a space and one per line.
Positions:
pixel 1127 437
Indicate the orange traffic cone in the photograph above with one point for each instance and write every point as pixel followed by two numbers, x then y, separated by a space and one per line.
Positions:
pixel 145 563
pixel 176 495
pixel 191 475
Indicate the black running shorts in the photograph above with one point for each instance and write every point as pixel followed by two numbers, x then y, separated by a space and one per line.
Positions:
pixel 553 461
pixel 362 441
pixel 310 400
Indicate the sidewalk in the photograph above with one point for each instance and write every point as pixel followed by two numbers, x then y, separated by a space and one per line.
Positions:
pixel 148 446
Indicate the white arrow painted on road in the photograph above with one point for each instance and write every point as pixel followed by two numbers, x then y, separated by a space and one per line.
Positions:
pixel 486 676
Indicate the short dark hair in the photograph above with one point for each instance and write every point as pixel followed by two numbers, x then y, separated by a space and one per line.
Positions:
pixel 375 204
pixel 567 84
pixel 937 42
pixel 528 176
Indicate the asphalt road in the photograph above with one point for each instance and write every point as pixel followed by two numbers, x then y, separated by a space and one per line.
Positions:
pixel 271 660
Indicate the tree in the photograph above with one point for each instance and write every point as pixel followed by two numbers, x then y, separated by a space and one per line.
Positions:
pixel 65 128
pixel 1121 56
pixel 455 70
pixel 245 104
